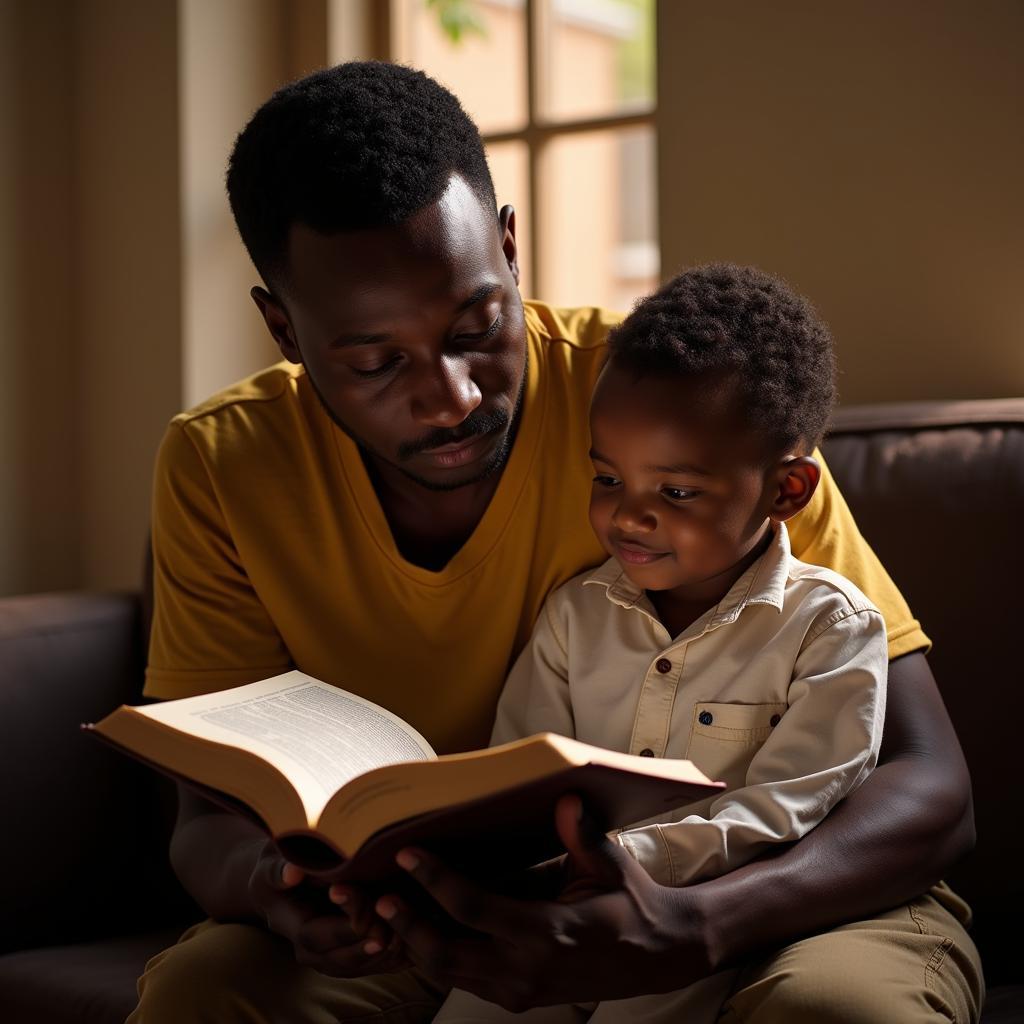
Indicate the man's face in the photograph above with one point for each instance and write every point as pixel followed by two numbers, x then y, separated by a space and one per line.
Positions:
pixel 413 336
pixel 682 490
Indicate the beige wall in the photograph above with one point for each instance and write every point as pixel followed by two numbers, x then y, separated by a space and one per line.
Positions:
pixel 123 289
pixel 127 272
pixel 232 54
pixel 39 530
pixel 869 152
pixel 89 264
pixel 872 153
pixel 231 59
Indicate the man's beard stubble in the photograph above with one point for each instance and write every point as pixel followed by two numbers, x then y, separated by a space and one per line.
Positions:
pixel 474 425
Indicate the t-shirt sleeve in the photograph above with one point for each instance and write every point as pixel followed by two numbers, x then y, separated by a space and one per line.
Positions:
pixel 825 533
pixel 210 630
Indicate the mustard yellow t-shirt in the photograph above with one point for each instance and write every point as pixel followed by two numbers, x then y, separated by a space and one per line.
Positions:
pixel 271 550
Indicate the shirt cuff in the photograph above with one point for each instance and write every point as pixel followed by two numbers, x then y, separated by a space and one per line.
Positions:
pixel 649 848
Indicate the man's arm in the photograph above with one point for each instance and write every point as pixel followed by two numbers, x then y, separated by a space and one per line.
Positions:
pixel 214 854
pixel 885 844
pixel 235 873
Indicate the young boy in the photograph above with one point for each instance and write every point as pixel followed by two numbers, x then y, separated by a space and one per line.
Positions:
pixel 701 636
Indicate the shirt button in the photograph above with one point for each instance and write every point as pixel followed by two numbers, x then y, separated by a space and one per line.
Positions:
pixel 774 720
pixel 705 718
pixel 647 752
pixel 663 665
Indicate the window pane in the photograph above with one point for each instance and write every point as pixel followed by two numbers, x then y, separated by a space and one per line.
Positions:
pixel 598 57
pixel 511 186
pixel 482 59
pixel 599 243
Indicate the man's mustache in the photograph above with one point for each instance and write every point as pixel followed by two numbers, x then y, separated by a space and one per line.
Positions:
pixel 475 425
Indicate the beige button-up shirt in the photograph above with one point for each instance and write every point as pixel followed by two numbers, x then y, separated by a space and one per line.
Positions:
pixel 779 691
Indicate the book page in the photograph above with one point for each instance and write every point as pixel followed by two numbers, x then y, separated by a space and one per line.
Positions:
pixel 318 735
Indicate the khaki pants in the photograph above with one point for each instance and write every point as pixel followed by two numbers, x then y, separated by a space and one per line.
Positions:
pixel 912 964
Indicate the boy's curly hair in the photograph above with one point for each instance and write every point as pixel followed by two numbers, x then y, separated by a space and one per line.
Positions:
pixel 360 145
pixel 725 317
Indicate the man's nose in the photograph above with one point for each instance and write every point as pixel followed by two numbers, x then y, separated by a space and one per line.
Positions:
pixel 634 515
pixel 445 393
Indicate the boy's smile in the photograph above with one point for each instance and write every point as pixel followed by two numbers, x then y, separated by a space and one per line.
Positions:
pixel 683 488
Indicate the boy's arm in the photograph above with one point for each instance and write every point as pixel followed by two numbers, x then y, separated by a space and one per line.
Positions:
pixel 822 748
pixel 886 843
pixel 536 694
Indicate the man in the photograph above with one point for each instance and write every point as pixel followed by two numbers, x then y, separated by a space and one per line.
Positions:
pixel 387 510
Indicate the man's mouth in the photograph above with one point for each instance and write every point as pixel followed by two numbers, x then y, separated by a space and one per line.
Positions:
pixel 459 453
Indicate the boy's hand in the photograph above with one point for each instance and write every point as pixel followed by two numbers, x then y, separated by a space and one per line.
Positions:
pixel 611 933
pixel 330 942
pixel 375 937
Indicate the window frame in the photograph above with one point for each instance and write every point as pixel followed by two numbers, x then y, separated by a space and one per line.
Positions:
pixel 538 132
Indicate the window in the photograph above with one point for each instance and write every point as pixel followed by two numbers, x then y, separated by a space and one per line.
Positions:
pixel 563 93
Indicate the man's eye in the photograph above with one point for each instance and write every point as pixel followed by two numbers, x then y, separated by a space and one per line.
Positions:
pixel 604 480
pixel 376 371
pixel 679 493
pixel 489 333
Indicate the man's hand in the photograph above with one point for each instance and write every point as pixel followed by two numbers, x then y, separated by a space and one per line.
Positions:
pixel 343 944
pixel 612 931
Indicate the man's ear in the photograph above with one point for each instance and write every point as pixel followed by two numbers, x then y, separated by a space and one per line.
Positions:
pixel 277 323
pixel 507 228
pixel 797 478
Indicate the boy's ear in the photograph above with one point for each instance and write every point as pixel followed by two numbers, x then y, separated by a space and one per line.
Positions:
pixel 797 477
pixel 277 323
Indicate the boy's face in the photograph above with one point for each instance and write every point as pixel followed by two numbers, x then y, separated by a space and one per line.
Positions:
pixel 683 488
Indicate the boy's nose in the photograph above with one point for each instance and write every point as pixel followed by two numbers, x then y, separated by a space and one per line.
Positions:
pixel 634 517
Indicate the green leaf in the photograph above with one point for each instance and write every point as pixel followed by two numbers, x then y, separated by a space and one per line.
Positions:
pixel 458 19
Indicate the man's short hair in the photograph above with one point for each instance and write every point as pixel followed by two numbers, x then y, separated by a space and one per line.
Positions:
pixel 356 146
pixel 723 317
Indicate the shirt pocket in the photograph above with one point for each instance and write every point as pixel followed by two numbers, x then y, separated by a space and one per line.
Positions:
pixel 725 737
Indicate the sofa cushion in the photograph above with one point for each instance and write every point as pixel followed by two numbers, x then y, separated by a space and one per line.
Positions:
pixel 96 980
pixel 1004 1005
pixel 92 826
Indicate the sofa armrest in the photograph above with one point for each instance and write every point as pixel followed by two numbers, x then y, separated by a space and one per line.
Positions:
pixel 86 830
pixel 938 490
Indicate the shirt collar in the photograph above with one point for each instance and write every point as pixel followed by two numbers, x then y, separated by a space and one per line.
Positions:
pixel 764 582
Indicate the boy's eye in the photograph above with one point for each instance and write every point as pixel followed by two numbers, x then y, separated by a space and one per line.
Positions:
pixel 679 493
pixel 604 480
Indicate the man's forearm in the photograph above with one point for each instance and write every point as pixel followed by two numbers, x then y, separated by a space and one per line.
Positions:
pixel 213 853
pixel 885 844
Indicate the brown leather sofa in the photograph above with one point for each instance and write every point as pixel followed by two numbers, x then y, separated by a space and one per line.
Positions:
pixel 87 893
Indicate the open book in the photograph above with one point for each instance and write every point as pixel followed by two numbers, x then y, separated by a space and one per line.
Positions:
pixel 342 784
